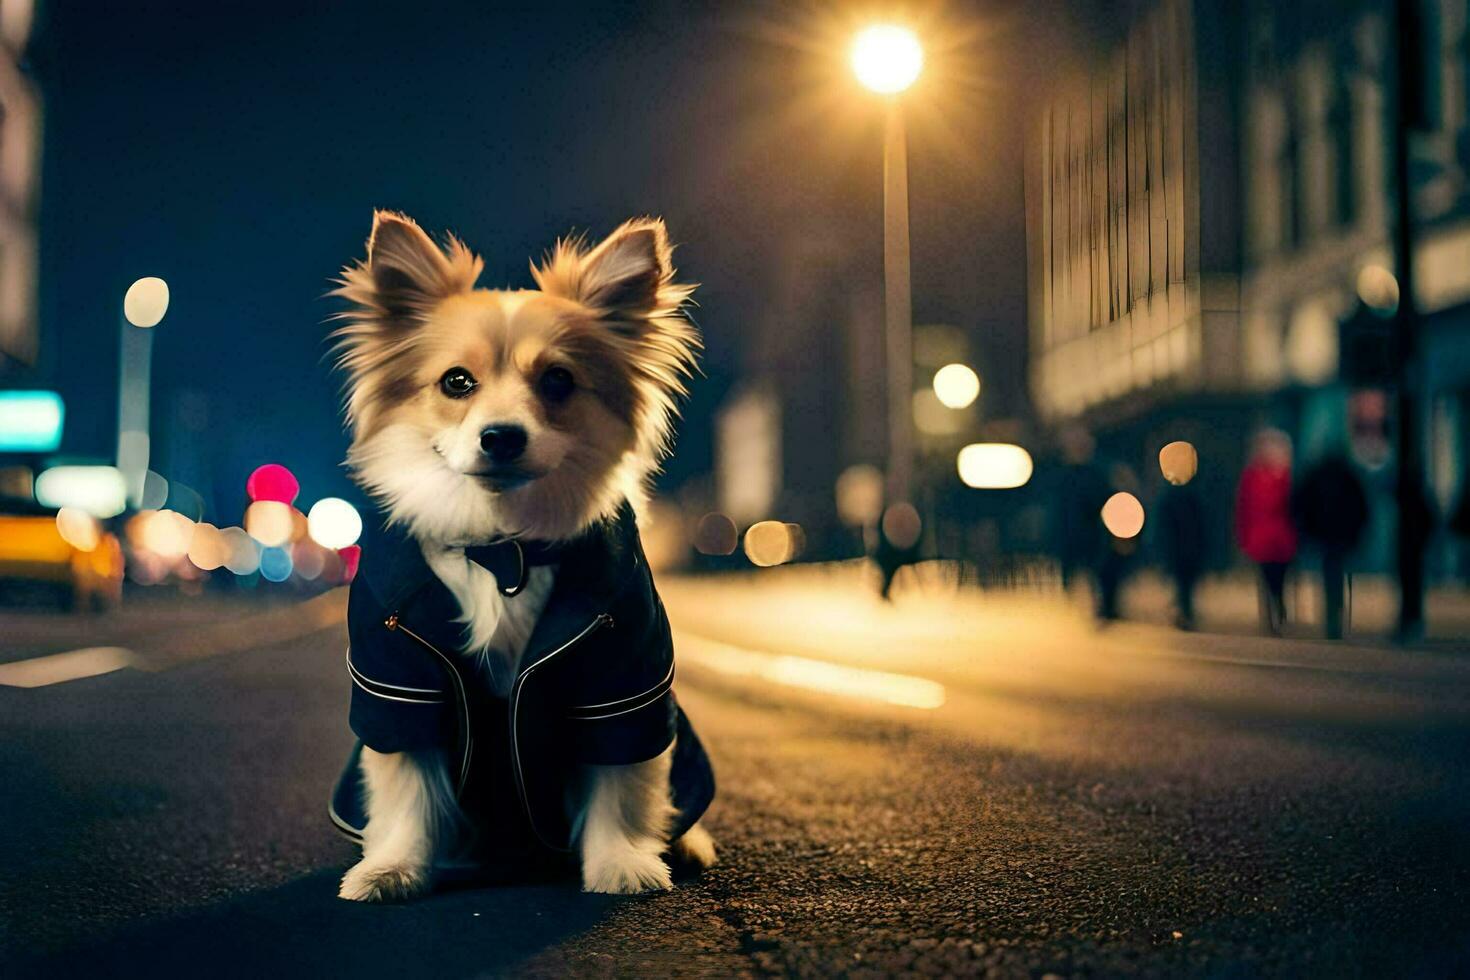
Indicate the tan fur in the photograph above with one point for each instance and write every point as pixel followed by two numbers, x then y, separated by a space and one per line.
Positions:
pixel 611 315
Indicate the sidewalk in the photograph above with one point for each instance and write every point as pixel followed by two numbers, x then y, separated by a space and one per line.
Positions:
pixel 1228 604
pixel 817 605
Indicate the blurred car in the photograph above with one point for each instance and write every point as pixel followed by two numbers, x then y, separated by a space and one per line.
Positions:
pixel 36 559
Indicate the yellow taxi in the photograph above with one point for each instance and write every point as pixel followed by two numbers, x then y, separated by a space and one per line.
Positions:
pixel 78 559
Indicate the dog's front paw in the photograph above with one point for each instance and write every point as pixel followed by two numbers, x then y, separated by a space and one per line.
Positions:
pixel 627 870
pixel 371 882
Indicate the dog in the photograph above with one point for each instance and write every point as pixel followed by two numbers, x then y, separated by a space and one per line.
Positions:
pixel 511 663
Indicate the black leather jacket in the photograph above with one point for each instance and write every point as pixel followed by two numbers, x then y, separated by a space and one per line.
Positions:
pixel 595 685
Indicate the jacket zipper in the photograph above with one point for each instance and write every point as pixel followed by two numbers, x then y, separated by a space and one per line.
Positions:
pixel 603 619
pixel 394 623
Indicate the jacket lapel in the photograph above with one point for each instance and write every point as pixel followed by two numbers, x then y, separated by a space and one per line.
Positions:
pixel 592 572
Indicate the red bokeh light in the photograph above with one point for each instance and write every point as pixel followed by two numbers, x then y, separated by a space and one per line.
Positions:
pixel 350 556
pixel 273 482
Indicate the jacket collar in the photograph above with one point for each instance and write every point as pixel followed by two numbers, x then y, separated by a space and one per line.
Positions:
pixel 510 560
pixel 594 568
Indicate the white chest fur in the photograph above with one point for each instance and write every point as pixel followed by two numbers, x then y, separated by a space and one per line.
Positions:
pixel 497 627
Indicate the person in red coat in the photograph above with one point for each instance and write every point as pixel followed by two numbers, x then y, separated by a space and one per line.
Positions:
pixel 1263 521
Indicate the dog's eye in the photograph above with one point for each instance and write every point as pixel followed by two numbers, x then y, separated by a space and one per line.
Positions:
pixel 457 382
pixel 556 384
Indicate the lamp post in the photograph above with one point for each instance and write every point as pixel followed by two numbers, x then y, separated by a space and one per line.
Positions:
pixel 144 305
pixel 887 59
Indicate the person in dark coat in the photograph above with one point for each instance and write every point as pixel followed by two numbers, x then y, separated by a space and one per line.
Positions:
pixel 1331 509
pixel 1082 544
pixel 1459 523
pixel 1182 537
pixel 897 544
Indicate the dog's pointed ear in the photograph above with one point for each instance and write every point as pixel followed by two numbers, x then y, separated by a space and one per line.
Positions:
pixel 624 273
pixel 405 273
pixel 627 277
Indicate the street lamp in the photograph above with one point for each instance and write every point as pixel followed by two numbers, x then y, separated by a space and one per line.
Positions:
pixel 887 59
pixel 144 306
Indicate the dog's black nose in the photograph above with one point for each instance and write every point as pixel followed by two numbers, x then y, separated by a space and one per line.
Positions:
pixel 503 443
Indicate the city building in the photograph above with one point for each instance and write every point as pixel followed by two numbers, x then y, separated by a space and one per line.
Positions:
pixel 20 158
pixel 1209 202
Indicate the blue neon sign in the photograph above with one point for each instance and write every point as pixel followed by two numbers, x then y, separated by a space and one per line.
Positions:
pixel 30 421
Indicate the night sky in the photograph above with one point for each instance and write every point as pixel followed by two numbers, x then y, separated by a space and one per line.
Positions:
pixel 238 149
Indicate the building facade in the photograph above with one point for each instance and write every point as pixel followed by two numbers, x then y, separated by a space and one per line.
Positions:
pixel 1250 144
pixel 20 157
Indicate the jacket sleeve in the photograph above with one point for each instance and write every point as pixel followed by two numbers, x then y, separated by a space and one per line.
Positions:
pixel 400 696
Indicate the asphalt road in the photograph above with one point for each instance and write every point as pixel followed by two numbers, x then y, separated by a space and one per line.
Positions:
pixel 1129 802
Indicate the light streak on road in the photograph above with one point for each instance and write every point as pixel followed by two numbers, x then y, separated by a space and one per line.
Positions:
pixel 813 675
pixel 70 666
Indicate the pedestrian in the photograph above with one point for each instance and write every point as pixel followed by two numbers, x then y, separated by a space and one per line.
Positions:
pixel 1263 523
pixel 1121 524
pixel 1182 531
pixel 1081 489
pixel 1459 525
pixel 897 544
pixel 1331 510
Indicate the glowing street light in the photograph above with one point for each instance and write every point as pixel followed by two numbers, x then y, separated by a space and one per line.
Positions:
pixel 97 490
pixel 270 522
pixel 956 385
pixel 334 523
pixel 1179 462
pixel 144 305
pixel 994 466
pixel 146 301
pixel 769 543
pixel 1123 516
pixel 887 59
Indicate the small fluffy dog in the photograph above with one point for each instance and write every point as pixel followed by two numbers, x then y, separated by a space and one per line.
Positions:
pixel 511 663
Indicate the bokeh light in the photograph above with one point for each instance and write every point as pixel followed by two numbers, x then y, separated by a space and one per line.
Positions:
pixel 146 568
pixel 716 534
pixel 933 418
pixel 860 495
pixel 1178 461
pixel 901 525
pixel 273 482
pixel 887 58
pixel 798 540
pixel 275 564
pixel 30 421
pixel 155 491
pixel 334 523
pixel 994 466
pixel 350 559
pixel 308 559
pixel 1378 289
pixel 78 528
pixel 166 533
pixel 769 543
pixel 270 522
pixel 146 301
pixel 208 547
pixel 1122 515
pixel 956 386
pixel 244 554
pixel 99 490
